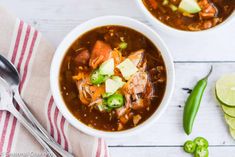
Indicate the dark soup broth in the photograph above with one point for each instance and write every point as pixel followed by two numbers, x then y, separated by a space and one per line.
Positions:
pixel 112 78
pixel 199 15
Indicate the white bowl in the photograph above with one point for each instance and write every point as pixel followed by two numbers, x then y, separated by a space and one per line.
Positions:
pixel 168 29
pixel 87 26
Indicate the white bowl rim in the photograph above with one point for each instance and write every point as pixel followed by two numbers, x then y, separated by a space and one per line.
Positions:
pixel 104 21
pixel 171 30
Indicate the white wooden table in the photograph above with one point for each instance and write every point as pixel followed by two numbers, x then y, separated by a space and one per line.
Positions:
pixel 192 56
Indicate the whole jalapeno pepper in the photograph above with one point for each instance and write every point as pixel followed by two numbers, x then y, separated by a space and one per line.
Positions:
pixel 193 103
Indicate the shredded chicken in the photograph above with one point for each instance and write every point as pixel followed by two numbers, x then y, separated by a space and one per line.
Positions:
pixel 208 16
pixel 208 9
pixel 138 104
pixel 132 88
pixel 148 94
pixel 98 101
pixel 89 93
pixel 206 24
pixel 136 84
pixel 137 57
pixel 82 94
pixel 121 111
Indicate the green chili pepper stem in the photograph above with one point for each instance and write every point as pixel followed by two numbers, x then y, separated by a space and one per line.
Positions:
pixel 193 103
pixel 209 73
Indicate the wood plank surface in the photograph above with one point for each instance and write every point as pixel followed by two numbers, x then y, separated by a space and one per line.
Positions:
pixel 167 152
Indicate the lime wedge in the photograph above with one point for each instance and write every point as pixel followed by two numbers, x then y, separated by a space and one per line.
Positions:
pixel 230 121
pixel 232 132
pixel 225 89
pixel 228 110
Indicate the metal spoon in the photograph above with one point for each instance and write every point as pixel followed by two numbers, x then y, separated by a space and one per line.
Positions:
pixel 9 73
pixel 6 104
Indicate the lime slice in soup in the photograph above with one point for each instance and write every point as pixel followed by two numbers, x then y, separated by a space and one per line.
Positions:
pixel 189 6
pixel 230 121
pixel 228 110
pixel 225 89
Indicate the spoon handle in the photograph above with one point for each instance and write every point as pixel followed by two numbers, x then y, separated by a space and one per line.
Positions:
pixel 43 133
pixel 31 129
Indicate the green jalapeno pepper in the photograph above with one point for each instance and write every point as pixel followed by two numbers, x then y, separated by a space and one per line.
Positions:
pixel 96 78
pixel 190 146
pixel 200 141
pixel 201 152
pixel 115 101
pixel 198 147
pixel 193 103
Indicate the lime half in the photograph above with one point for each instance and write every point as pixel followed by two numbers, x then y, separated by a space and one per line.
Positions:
pixel 225 89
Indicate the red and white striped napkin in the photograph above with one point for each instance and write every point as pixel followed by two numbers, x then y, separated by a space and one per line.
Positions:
pixel 32 55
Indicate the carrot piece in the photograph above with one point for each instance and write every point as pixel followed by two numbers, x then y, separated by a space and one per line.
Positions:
pixel 97 91
pixel 100 53
pixel 117 56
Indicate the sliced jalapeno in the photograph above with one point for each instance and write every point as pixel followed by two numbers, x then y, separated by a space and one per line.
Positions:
pixel 115 101
pixel 123 45
pixel 190 146
pixel 200 141
pixel 97 78
pixel 201 152
pixel 103 106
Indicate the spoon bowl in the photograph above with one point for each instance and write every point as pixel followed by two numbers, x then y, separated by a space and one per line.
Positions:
pixel 9 72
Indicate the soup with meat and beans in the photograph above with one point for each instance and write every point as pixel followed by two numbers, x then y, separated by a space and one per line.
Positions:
pixel 191 15
pixel 112 78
